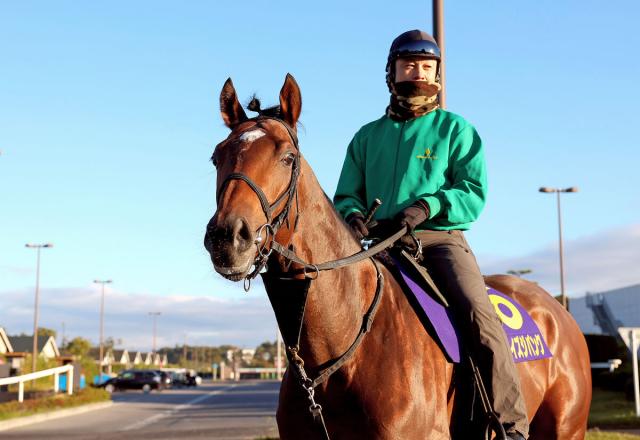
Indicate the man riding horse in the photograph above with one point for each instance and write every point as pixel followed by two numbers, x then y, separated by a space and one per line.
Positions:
pixel 427 166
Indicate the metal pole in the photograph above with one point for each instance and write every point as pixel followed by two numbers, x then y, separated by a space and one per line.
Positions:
pixel 155 315
pixel 101 358
pixel 101 330
pixel 634 357
pixel 35 315
pixel 278 355
pixel 438 34
pixel 561 250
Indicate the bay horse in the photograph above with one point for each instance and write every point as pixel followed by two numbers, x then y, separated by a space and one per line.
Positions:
pixel 398 383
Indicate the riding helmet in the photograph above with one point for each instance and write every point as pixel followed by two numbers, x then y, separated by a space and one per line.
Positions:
pixel 413 43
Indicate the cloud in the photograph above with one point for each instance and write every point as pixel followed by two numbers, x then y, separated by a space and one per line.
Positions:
pixel 594 263
pixel 598 262
pixel 245 322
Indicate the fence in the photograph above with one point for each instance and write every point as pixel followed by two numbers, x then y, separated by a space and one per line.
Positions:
pixel 55 372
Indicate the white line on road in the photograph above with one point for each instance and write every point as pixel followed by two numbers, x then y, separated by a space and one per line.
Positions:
pixel 149 420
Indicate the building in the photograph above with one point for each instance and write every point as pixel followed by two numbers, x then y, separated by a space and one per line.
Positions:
pixel 5 343
pixel 604 312
pixel 47 346
pixel 137 359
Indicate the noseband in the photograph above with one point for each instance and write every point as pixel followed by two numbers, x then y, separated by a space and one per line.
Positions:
pixel 272 225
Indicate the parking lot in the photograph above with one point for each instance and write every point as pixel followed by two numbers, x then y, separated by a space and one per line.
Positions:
pixel 223 410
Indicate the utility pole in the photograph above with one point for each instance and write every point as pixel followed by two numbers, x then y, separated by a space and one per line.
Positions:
pixel 37 300
pixel 438 34
pixel 155 316
pixel 102 282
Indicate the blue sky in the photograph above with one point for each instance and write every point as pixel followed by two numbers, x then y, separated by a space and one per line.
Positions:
pixel 109 114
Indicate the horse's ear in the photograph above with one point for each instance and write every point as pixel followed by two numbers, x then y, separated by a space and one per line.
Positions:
pixel 290 101
pixel 230 108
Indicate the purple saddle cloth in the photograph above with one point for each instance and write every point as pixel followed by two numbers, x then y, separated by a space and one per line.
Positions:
pixel 523 335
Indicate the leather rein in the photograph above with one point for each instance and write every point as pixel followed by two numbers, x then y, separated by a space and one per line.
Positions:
pixel 291 335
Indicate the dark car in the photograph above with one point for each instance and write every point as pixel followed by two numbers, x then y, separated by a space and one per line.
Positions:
pixel 145 380
pixel 165 378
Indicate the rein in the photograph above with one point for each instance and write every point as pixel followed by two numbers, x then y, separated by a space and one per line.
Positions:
pixel 284 308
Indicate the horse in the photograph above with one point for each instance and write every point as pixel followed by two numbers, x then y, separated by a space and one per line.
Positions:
pixel 397 383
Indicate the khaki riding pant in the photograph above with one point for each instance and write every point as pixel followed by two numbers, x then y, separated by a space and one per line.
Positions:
pixel 453 267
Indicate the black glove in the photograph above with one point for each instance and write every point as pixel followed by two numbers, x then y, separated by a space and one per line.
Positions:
pixel 356 223
pixel 412 216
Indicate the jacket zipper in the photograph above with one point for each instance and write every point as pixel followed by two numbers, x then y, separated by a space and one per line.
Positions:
pixel 395 167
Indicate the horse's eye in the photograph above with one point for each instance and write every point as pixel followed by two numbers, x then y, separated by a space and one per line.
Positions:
pixel 214 161
pixel 288 158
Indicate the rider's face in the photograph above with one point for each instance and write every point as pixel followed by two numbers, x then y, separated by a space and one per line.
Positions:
pixel 416 69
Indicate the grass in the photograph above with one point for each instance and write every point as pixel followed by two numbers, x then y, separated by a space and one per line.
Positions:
pixel 610 409
pixel 599 435
pixel 10 410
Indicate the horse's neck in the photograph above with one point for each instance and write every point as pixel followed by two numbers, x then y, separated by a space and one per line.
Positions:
pixel 338 298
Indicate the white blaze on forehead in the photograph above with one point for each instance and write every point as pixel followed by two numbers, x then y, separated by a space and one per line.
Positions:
pixel 252 135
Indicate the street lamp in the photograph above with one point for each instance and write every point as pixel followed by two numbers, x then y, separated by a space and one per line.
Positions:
pixel 103 282
pixel 35 313
pixel 573 189
pixel 155 315
pixel 518 272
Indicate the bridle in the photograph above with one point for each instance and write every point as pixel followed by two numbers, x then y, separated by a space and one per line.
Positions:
pixel 290 326
pixel 272 225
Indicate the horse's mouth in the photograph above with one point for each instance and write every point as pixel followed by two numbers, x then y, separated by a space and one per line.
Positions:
pixel 234 273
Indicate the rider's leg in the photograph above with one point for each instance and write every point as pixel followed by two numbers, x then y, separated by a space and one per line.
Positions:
pixel 453 266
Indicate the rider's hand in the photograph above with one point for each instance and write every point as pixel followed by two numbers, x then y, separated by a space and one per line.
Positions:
pixel 356 223
pixel 412 216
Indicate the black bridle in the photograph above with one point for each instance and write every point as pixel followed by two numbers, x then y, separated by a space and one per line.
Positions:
pixel 272 225
pixel 290 311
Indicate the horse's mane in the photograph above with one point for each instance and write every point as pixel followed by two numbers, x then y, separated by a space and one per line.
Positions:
pixel 254 106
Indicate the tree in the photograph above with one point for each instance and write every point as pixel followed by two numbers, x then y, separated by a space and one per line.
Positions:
pixel 79 346
pixel 43 331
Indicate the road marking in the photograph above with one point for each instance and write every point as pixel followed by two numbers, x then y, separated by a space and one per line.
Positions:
pixel 169 412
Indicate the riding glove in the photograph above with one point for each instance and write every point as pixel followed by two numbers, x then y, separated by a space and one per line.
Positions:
pixel 412 216
pixel 356 223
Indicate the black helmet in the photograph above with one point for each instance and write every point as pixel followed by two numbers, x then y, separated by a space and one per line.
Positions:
pixel 413 43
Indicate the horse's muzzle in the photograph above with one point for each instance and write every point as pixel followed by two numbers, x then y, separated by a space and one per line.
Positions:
pixel 230 244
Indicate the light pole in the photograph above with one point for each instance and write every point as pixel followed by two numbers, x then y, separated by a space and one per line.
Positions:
pixel 438 34
pixel 519 272
pixel 155 316
pixel 35 313
pixel 102 282
pixel 573 189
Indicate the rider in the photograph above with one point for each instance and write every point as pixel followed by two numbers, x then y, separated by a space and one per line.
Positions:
pixel 427 166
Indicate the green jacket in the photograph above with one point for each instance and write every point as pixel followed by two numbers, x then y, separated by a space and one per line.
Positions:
pixel 437 157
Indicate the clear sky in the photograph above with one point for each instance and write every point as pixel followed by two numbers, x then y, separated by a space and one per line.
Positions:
pixel 108 116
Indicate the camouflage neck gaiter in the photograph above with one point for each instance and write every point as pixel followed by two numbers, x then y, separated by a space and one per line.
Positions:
pixel 411 99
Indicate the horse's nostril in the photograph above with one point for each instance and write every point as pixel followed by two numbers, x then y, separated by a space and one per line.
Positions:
pixel 242 236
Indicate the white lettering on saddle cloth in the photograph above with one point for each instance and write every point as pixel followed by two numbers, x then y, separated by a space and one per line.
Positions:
pixel 523 335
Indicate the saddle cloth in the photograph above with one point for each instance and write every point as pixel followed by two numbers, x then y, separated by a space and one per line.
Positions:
pixel 523 335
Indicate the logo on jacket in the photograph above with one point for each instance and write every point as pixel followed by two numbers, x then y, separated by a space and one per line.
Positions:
pixel 427 155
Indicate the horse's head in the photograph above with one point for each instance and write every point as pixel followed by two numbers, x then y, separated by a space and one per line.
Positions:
pixel 257 171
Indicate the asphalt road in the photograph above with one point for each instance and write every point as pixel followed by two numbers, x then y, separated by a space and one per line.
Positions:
pixel 225 411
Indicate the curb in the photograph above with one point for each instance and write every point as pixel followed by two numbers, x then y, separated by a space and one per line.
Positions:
pixel 37 418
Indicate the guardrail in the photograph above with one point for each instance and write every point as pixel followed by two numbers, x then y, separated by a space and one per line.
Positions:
pixel 610 365
pixel 55 372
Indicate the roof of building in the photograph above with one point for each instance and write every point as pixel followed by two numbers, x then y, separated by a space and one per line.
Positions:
pixel 25 343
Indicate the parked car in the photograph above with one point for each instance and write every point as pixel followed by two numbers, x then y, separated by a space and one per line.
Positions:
pixel 165 378
pixel 145 380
